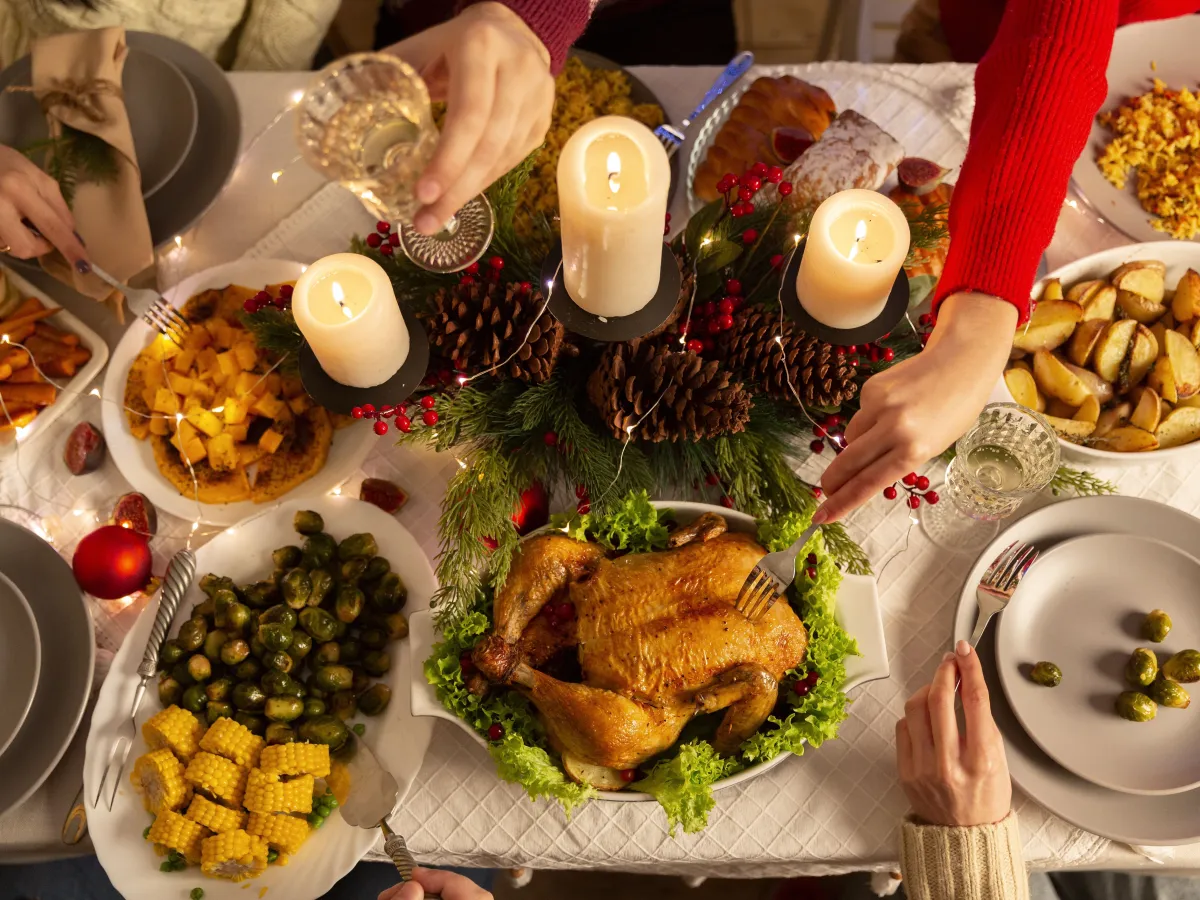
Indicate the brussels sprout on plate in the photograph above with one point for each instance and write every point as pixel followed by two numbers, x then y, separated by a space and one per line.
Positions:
pixel 1183 667
pixel 1136 707
pixel 1142 668
pixel 1156 626
pixel 306 521
pixel 1047 674
pixel 1170 694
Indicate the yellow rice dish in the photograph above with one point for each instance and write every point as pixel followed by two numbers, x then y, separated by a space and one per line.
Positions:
pixel 1158 135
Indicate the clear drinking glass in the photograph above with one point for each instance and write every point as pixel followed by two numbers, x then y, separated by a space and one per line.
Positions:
pixel 365 121
pixel 1010 453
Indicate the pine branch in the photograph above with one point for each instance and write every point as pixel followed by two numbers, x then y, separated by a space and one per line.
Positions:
pixel 928 226
pixel 1079 482
pixel 845 550
pixel 276 332
pixel 75 157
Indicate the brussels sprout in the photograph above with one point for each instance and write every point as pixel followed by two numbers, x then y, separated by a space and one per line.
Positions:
pixel 223 598
pixel 194 699
pixel 248 696
pixel 361 682
pixel 204 609
pixel 199 668
pixel 260 594
pixel 191 634
pixel 1136 707
pixel 296 587
pixel 237 617
pixel 352 570
pixel 169 690
pixel 322 586
pixel 308 522
pixel 343 705
pixel 1183 667
pixel 374 638
pixel 257 647
pixel 1170 694
pixel 377 567
pixel 397 626
pixel 362 544
pixel 283 708
pixel 334 678
pixel 280 733
pixel 210 583
pixel 248 669
pixel 279 614
pixel 254 723
pixel 213 642
pixel 340 629
pixel 350 602
pixel 170 654
pixel 325 729
pixel 180 673
pixel 327 654
pixel 319 550
pixel 219 688
pixel 313 691
pixel 275 636
pixel 377 662
pixel 234 651
pixel 318 623
pixel 351 651
pixel 302 645
pixel 375 699
pixel 390 594
pixel 278 684
pixel 1157 626
pixel 1142 668
pixel 314 707
pixel 287 557
pixel 279 661
pixel 218 709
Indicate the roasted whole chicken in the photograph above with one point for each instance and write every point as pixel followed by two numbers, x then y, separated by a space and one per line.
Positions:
pixel 657 637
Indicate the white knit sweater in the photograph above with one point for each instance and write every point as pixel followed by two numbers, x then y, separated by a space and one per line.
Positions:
pixel 240 34
pixel 980 863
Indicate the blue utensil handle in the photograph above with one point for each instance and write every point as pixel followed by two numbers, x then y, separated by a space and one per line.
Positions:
pixel 180 572
pixel 736 69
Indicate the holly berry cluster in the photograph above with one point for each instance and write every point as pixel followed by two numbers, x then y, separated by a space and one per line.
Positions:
pixel 872 353
pixel 262 300
pixel 803 685
pixel 925 324
pixel 917 488
pixel 709 319
pixel 383 238
pixel 474 272
pixel 829 429
pixel 739 191
pixel 399 413
pixel 584 504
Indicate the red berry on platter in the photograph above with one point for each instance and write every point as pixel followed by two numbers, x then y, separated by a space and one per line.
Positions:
pixel 922 483
pixel 735 211
pixel 250 306
pixel 817 493
pixel 817 446
pixel 490 542
pixel 730 177
pixel 714 325
pixel 525 287
pixel 853 348
pixel 812 678
pixel 368 409
pixel 874 355
pixel 811 559
pixel 810 573
pixel 727 501
pixel 745 194
pixel 889 492
pixel 628 775
pixel 774 174
pixel 727 305
pixel 931 497
pixel 889 354
pixel 733 286
pixel 854 361
pixel 285 291
pixel 564 611
pixel 472 269
pixel 910 479
pixel 262 297
pixel 841 351
pixel 383 227
pixel 694 345
pixel 357 412
pixel 833 420
pixel 280 302
pixel 374 240
pixel 785 188
pixel 666 230
pixel 430 417
pixel 428 401
pixel 925 320
pixel 465 662
pixel 800 689
pixel 725 321
pixel 394 239
pixel 820 431
pixel 776 260
pixel 749 236
pixel 583 507
pixel 550 439
pixel 381 428
pixel 754 182
pixel 404 423
pixel 913 501
pixel 386 410
pixel 496 263
pixel 709 344
pixel 386 250
pixel 709 309
pixel 711 479
pixel 495 731
pixel 760 169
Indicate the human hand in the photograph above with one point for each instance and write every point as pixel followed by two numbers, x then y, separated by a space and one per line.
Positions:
pixel 494 74
pixel 953 779
pixel 447 884
pixel 911 412
pixel 27 194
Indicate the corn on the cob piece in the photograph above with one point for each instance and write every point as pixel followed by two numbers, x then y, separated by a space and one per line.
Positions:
pixel 284 833
pixel 296 759
pixel 235 855
pixel 266 793
pixel 175 832
pixel 176 729
pixel 217 777
pixel 214 817
pixel 158 777
pixel 232 740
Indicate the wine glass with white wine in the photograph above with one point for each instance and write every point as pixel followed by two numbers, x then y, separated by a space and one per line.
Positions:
pixel 1010 453
pixel 366 122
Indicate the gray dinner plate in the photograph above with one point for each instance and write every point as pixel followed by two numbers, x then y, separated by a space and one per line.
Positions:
pixel 159 99
pixel 1131 818
pixel 20 660
pixel 68 655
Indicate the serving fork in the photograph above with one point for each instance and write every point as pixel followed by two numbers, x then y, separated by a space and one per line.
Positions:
pixel 770 578
pixel 672 138
pixel 151 306
pixel 999 582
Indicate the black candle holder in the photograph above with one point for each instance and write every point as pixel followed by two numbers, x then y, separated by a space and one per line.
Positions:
pixel 612 328
pixel 343 398
pixel 893 310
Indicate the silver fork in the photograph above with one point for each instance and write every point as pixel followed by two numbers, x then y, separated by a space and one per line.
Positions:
pixel 179 577
pixel 672 138
pixel 999 582
pixel 151 306
pixel 768 580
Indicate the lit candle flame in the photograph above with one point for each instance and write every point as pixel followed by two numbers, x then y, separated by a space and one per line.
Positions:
pixel 860 232
pixel 339 297
pixel 614 172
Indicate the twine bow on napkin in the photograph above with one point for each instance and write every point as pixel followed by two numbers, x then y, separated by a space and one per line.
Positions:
pixel 79 95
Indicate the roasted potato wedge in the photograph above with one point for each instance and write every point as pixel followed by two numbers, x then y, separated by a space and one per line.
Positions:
pixel 1100 389
pixel 1162 379
pixel 1112 418
pixel 1072 430
pixel 1084 340
pixel 1185 364
pixel 1112 347
pixel 1024 389
pixel 1145 352
pixel 1147 412
pixel 1191 331
pixel 599 777
pixel 1078 291
pixel 1100 303
pixel 1059 410
pixel 1050 326
pixel 1127 439
pixel 1181 426
pixel 1052 290
pixel 1146 280
pixel 1143 309
pixel 1185 304
pixel 1054 379
pixel 1089 411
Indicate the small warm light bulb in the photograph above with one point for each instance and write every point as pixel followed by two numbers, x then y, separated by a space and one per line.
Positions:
pixel 218 409
pixel 297 96
pixel 178 242
pixel 178 417
pixel 461 464
pixel 337 491
pixel 3 338
pixel 276 175
pixel 94 392
pixel 706 242
pixel 195 527
pixel 125 523
pixel 629 429
pixel 779 339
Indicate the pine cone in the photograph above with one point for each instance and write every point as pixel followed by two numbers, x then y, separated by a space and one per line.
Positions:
pixel 699 399
pixel 751 352
pixel 480 325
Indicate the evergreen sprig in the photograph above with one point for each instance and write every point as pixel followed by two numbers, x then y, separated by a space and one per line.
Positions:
pixel 74 157
pixel 276 332
pixel 1080 482
pixel 927 226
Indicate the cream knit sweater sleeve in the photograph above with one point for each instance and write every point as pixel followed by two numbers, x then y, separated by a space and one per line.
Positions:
pixel 283 34
pixel 979 863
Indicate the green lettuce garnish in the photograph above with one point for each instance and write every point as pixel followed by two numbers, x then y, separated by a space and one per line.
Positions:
pixel 683 784
pixel 635 525
pixel 534 770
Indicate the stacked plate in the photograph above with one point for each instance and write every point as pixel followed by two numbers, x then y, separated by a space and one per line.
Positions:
pixel 184 118
pixel 47 649
pixel 1105 562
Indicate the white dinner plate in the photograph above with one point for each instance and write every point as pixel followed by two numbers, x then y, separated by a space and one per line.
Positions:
pixel 1081 606
pixel 135 458
pixel 398 740
pixel 1170 46
pixel 20 660
pixel 1143 819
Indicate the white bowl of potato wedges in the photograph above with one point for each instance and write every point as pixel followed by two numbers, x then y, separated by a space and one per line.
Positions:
pixel 1110 354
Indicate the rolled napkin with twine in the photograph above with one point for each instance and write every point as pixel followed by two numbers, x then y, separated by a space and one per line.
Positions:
pixel 77 82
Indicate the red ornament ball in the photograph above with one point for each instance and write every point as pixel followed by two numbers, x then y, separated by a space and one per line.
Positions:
pixel 532 510
pixel 776 260
pixel 733 286
pixel 381 428
pixel 913 501
pixel 922 483
pixel 727 501
pixel 428 401
pixel 383 227
pixel 695 346
pixel 374 240
pixel 386 250
pixel 430 417
pixel 931 497
pixel 910 479
pixel 727 305
pixel 490 542
pixel 112 562
pixel 550 439
pixel 889 492
pixel 785 188
pixel 404 423
pixel 495 731
pixel 749 236
pixel 817 446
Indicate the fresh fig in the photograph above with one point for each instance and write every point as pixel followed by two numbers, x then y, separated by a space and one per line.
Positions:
pixel 85 449
pixel 788 143
pixel 920 175
pixel 135 512
pixel 387 495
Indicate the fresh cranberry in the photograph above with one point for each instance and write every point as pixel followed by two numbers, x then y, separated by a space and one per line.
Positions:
pixel 495 731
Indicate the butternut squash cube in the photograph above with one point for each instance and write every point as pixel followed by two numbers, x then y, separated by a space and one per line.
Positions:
pixel 180 384
pixel 184 360
pixel 228 363
pixel 291 386
pixel 267 405
pixel 237 432
pixel 234 411
pixel 206 360
pixel 222 454
pixel 249 454
pixel 148 395
pixel 165 401
pixel 153 377
pixel 160 425
pixel 198 339
pixel 300 404
pixel 247 355
pixel 273 383
pixel 140 429
pixel 206 421
pixel 270 440
pixel 194 451
pixel 247 382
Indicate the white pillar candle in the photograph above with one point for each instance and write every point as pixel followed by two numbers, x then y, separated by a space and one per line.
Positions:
pixel 347 311
pixel 856 244
pixel 613 178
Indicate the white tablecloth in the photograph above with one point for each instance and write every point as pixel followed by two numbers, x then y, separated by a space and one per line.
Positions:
pixel 833 810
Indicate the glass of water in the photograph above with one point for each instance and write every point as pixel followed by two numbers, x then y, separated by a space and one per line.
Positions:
pixel 366 122
pixel 1010 453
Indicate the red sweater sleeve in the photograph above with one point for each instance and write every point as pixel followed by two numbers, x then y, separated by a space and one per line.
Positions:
pixel 558 23
pixel 1036 93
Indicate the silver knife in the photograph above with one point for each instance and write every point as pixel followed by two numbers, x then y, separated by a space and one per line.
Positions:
pixel 729 76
